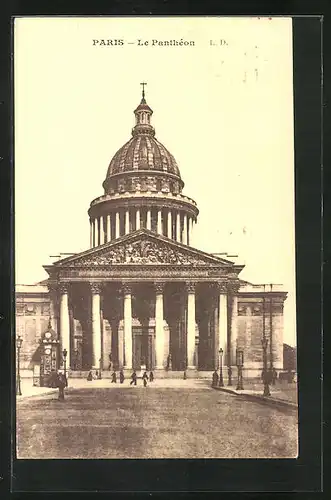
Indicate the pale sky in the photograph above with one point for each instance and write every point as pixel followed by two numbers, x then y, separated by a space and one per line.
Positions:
pixel 225 111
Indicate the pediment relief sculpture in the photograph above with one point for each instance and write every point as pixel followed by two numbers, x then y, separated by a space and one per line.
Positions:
pixel 142 252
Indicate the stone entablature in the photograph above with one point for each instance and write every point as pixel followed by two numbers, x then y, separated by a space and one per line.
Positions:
pixel 109 203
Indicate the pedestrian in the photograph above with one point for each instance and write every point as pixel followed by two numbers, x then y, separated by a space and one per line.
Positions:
pixel 133 378
pixel 113 378
pixel 274 376
pixel 215 379
pixel 53 379
pixel 121 377
pixel 185 375
pixel 61 383
pixel 89 376
pixel 110 356
pixel 151 377
pixel 96 376
pixel 145 379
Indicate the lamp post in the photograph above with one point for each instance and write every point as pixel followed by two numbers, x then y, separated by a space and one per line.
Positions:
pixel 220 380
pixel 266 390
pixel 19 341
pixel 240 363
pixel 65 352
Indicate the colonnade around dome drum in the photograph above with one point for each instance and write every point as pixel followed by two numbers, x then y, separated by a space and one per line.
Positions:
pixel 175 224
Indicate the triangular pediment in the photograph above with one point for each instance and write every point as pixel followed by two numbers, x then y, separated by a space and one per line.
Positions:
pixel 143 247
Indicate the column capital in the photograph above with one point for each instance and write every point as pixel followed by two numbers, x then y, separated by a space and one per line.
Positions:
pixel 233 287
pixel 190 286
pixel 63 287
pixel 159 287
pixel 95 288
pixel 52 287
pixel 126 288
pixel 221 287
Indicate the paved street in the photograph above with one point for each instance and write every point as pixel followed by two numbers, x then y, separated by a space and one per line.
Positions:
pixel 184 420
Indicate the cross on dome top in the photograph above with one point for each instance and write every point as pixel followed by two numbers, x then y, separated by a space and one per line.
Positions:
pixel 143 92
pixel 143 115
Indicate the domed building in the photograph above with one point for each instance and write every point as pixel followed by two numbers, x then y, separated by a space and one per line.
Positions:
pixel 141 297
pixel 142 189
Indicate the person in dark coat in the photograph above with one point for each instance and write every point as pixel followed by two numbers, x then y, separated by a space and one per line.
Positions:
pixel 133 378
pixel 121 377
pixel 274 376
pixel 215 379
pixel 89 376
pixel 61 383
pixel 145 379
pixel 53 379
pixel 113 378
pixel 110 356
pixel 151 377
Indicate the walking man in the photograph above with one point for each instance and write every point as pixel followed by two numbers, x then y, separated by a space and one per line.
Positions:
pixel 121 377
pixel 61 383
pixel 215 379
pixel 145 379
pixel 151 376
pixel 113 378
pixel 133 378
pixel 110 356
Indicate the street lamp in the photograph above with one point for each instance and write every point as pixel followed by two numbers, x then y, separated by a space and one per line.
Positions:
pixel 220 381
pixel 19 341
pixel 266 390
pixel 65 352
pixel 240 363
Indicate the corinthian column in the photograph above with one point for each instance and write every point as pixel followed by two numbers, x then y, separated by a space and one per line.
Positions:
pixel 178 227
pixel 117 225
pixel 102 231
pixel 96 232
pixel 127 326
pixel 190 287
pixel 159 222
pixel 169 224
pixel 137 218
pixel 222 318
pixel 108 228
pixel 149 220
pixel 159 329
pixel 96 325
pixel 184 239
pixel 91 233
pixel 127 222
pixel 64 320
pixel 234 287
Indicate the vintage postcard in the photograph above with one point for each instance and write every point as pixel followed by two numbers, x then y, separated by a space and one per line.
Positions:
pixel 154 235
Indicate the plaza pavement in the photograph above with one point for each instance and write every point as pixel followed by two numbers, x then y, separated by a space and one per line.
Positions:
pixel 168 419
pixel 282 391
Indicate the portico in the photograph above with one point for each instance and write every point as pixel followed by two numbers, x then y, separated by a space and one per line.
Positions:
pixel 127 298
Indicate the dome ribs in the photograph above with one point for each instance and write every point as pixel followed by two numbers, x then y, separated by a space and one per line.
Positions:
pixel 135 163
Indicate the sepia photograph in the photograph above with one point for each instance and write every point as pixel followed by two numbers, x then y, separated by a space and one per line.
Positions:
pixel 155 293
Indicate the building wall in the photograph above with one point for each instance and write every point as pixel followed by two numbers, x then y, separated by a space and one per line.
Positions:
pixel 250 331
pixel 32 316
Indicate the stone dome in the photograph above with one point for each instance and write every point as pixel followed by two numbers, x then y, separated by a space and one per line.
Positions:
pixel 143 152
pixel 143 163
